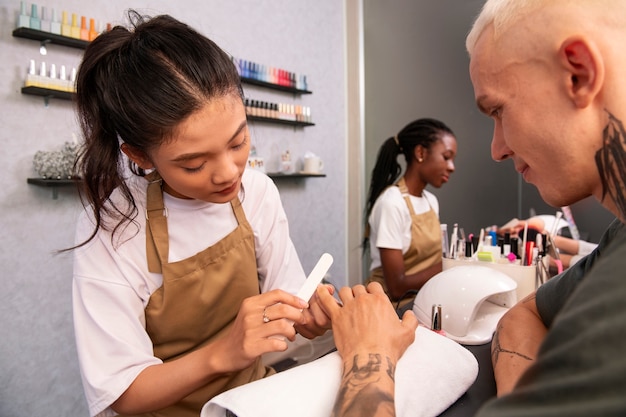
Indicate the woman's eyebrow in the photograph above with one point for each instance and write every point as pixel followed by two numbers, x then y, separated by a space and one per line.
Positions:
pixel 194 155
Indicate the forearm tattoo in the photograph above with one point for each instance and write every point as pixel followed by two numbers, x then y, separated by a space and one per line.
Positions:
pixel 360 393
pixel 611 163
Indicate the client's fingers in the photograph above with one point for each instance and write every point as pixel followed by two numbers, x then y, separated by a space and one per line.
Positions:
pixel 375 287
pixel 358 290
pixel 410 320
pixel 347 293
pixel 326 301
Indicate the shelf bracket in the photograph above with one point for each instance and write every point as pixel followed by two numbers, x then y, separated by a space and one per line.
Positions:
pixel 42 47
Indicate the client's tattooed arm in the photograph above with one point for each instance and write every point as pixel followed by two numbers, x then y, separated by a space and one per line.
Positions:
pixel 367 387
pixel 515 343
pixel 370 339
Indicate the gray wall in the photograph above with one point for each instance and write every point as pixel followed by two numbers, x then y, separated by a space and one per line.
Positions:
pixel 416 66
pixel 38 370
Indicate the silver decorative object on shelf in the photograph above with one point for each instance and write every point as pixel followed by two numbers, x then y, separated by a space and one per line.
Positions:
pixel 56 164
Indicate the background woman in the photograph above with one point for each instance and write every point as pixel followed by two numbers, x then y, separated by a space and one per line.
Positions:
pixel 403 218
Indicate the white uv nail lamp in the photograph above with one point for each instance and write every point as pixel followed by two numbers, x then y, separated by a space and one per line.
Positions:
pixel 473 299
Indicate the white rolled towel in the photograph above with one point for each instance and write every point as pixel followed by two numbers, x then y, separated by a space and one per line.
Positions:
pixel 431 375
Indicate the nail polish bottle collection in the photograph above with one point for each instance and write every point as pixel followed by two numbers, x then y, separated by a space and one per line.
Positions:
pixel 44 19
pixel 271 75
pixel 249 70
pixel 53 77
pixel 50 78
pixel 49 22
pixel 279 111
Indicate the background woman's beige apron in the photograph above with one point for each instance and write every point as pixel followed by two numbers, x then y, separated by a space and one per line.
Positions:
pixel 425 248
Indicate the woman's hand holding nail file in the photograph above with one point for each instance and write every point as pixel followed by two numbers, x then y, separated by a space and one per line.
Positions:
pixel 315 277
pixel 313 280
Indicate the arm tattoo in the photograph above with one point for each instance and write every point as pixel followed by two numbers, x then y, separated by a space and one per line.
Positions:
pixel 496 348
pixel 363 373
pixel 611 163
pixel 360 395
pixel 391 370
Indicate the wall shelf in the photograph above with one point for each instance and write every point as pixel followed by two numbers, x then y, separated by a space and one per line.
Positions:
pixel 40 35
pixel 280 175
pixel 47 92
pixel 279 121
pixel 273 86
pixel 54 184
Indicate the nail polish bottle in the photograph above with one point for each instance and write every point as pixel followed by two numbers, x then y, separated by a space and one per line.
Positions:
pixel 43 76
pixel 75 29
pixel 66 29
pixel 31 75
pixel 515 247
pixel 279 76
pixel 468 250
pixel 63 85
pixel 23 20
pixel 272 75
pixel 436 318
pixel 35 23
pixel 72 83
pixel 55 25
pixel 92 30
pixel 45 20
pixel 292 112
pixel 53 81
pixel 255 71
pixel 84 32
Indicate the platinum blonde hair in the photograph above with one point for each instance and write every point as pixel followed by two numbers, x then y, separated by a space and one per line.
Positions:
pixel 503 14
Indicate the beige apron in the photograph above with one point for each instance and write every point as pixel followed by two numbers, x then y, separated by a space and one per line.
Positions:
pixel 425 248
pixel 200 297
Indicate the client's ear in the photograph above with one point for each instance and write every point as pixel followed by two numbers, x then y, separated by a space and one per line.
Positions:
pixel 585 67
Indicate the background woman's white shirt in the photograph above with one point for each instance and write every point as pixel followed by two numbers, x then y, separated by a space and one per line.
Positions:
pixel 390 221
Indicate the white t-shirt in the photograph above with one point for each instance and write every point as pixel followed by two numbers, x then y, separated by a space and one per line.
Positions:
pixel 112 286
pixel 390 221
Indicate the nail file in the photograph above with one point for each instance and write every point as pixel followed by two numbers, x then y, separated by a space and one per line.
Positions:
pixel 310 284
pixel 315 277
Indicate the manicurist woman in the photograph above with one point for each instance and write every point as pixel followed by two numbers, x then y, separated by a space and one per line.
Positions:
pixel 403 218
pixel 183 266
